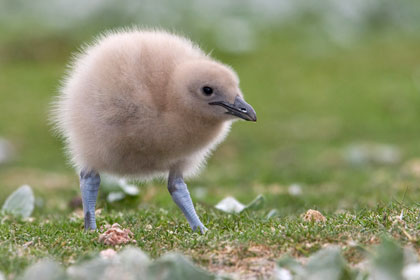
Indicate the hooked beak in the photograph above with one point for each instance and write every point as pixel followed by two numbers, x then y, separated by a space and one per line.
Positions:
pixel 239 108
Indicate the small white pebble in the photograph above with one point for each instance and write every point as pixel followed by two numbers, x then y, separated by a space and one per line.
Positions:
pixel 230 205
pixel 6 150
pixel 200 192
pixel 412 272
pixel 282 274
pixel 295 190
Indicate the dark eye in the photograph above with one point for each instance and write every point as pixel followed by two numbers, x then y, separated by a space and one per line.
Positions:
pixel 207 91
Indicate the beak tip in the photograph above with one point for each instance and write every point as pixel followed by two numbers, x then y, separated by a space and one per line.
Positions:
pixel 239 108
pixel 251 117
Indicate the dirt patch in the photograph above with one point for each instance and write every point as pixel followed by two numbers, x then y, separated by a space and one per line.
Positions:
pixel 240 261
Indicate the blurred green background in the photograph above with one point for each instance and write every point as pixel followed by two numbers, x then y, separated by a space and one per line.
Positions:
pixel 336 85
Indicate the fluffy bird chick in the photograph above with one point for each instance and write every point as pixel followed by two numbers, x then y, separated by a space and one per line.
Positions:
pixel 146 104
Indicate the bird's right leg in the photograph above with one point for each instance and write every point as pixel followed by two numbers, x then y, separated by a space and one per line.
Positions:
pixel 180 195
pixel 89 186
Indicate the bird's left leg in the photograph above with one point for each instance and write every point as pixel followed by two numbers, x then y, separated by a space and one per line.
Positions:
pixel 89 186
pixel 180 195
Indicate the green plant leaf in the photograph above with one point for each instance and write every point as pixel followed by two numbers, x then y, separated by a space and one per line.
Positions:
pixel 272 213
pixel 292 265
pixel 46 270
pixel 92 269
pixel 174 266
pixel 388 261
pixel 327 264
pixel 20 202
pixel 256 204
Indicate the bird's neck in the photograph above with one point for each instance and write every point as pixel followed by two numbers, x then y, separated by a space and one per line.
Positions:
pixel 196 132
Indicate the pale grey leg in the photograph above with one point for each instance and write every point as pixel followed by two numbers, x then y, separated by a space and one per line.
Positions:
pixel 180 195
pixel 89 186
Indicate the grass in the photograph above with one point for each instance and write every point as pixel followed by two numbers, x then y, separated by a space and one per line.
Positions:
pixel 233 243
pixel 313 99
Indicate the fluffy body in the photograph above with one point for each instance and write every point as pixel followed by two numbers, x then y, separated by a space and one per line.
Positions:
pixel 122 109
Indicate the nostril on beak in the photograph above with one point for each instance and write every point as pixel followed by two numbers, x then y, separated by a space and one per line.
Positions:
pixel 244 110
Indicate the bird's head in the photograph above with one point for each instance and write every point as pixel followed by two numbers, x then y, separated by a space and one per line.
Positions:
pixel 210 90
